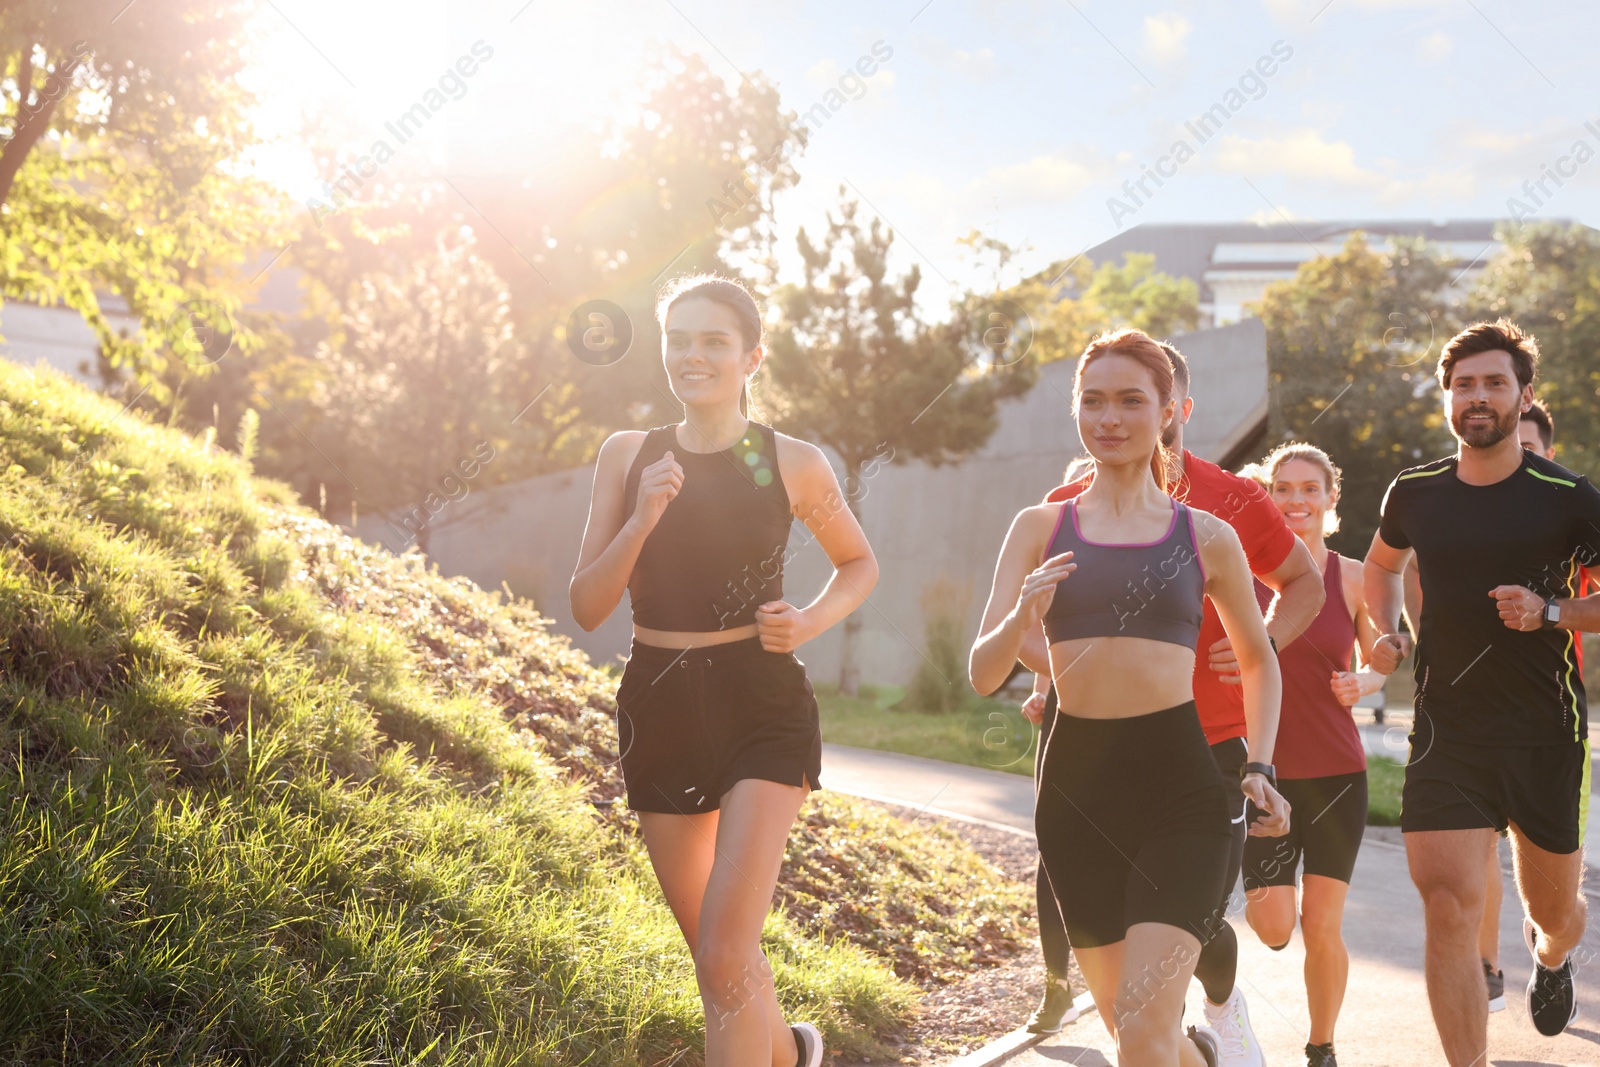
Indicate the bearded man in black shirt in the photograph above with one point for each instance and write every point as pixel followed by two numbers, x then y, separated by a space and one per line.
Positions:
pixel 1501 732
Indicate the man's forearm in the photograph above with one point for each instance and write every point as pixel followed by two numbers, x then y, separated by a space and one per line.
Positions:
pixel 1382 588
pixel 1296 604
pixel 1581 613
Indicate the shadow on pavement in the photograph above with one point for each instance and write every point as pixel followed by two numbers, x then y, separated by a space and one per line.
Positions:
pixel 1073 1054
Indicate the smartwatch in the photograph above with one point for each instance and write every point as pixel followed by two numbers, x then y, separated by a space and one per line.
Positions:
pixel 1266 770
pixel 1552 615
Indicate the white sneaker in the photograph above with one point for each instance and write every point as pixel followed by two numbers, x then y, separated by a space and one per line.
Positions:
pixel 809 1044
pixel 1231 1021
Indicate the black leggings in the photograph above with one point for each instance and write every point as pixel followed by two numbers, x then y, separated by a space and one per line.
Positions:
pixel 1132 821
pixel 1218 969
pixel 1219 957
pixel 1053 940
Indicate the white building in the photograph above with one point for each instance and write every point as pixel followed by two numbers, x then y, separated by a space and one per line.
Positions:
pixel 1232 263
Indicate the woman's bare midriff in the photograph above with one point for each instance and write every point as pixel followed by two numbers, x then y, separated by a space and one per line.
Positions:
pixel 680 639
pixel 1120 677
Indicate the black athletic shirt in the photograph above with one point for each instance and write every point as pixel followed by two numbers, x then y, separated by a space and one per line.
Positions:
pixel 718 550
pixel 1478 680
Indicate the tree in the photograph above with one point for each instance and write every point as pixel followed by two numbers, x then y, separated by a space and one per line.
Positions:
pixel 684 185
pixel 853 367
pixel 1547 280
pixel 1068 303
pixel 412 400
pixel 1352 341
pixel 1136 294
pixel 123 122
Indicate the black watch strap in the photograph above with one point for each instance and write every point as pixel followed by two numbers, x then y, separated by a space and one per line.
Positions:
pixel 1266 770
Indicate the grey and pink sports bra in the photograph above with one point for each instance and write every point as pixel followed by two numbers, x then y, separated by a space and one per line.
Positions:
pixel 1154 590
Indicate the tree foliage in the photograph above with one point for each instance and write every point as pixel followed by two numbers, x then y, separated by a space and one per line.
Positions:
pixel 1352 341
pixel 1547 280
pixel 124 124
pixel 1069 302
pixel 852 365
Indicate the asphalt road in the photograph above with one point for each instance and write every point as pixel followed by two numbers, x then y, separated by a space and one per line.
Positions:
pixel 1385 1018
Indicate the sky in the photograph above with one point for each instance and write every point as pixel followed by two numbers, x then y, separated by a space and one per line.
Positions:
pixel 1033 122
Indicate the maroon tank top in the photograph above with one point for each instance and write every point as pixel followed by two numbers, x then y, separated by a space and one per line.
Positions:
pixel 717 552
pixel 1317 735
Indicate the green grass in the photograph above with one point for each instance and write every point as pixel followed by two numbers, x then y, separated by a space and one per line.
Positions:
pixel 993 734
pixel 987 733
pixel 269 795
pixel 1384 778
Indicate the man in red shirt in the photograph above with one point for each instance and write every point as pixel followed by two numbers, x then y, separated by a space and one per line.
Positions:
pixel 1282 562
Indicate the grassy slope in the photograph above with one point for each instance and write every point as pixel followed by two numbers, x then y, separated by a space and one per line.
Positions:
pixel 271 796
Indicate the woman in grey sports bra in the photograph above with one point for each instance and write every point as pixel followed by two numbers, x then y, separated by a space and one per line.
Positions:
pixel 1131 814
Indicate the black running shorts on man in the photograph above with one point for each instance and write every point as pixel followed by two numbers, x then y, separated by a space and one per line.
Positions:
pixel 1481 684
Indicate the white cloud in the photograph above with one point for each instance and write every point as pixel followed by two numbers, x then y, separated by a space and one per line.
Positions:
pixel 1437 46
pixel 977 65
pixel 1047 179
pixel 823 75
pixel 1308 158
pixel 1166 37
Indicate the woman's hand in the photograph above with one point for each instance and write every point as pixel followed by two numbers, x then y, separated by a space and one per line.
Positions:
pixel 1275 820
pixel 782 627
pixel 1039 589
pixel 1346 687
pixel 658 484
pixel 1033 708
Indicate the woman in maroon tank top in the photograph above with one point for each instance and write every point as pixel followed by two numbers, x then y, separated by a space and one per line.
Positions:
pixel 1322 764
pixel 717 726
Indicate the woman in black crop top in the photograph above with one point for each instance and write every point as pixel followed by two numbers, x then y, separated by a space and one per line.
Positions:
pixel 716 723
pixel 1131 815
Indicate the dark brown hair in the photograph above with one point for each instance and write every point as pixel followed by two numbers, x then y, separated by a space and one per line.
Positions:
pixel 730 294
pixel 1501 335
pixel 1180 367
pixel 1540 416
pixel 1143 349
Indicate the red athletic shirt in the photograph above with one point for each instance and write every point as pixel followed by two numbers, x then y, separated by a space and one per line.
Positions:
pixel 1267 539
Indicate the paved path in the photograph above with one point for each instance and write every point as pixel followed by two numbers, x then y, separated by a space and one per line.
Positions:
pixel 1385 1018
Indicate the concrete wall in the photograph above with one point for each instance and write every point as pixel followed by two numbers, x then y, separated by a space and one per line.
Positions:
pixel 57 336
pixel 924 523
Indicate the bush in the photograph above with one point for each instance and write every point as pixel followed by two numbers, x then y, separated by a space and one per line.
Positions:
pixel 939 685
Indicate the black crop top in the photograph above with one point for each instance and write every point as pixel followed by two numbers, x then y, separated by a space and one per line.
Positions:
pixel 718 550
pixel 1154 590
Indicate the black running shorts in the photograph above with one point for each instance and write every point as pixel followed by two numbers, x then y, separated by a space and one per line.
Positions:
pixel 692 722
pixel 1544 789
pixel 1132 820
pixel 1328 817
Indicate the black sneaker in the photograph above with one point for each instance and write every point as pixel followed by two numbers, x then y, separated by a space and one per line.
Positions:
pixel 1055 1010
pixel 1496 981
pixel 1552 1004
pixel 1205 1039
pixel 1320 1055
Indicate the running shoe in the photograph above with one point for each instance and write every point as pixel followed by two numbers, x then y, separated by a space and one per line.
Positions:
pixel 1205 1039
pixel 1496 981
pixel 809 1043
pixel 1230 1021
pixel 1055 1010
pixel 1320 1055
pixel 1552 1003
